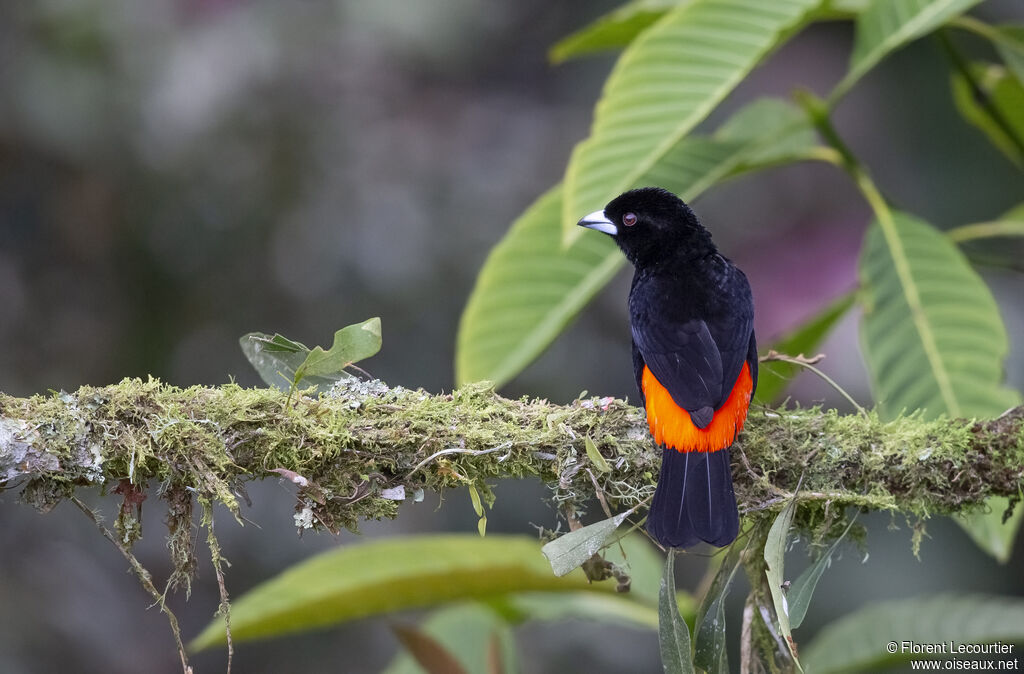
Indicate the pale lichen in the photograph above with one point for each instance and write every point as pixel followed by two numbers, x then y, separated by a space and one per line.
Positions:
pixel 362 444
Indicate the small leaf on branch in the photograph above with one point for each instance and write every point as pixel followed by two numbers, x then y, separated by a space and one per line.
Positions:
pixel 774 557
pixel 352 344
pixel 802 589
pixel 284 363
pixel 990 97
pixel 709 628
pixel 673 634
pixel 595 456
pixel 576 547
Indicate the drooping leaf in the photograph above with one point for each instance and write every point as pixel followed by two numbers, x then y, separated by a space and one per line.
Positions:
pixel 613 30
pixel 857 642
pixel 474 497
pixel 478 508
pixel 375 578
pixel 466 630
pixel 673 634
pixel 886 25
pixel 1001 117
pixel 352 344
pixel 932 335
pixel 805 339
pixel 567 552
pixel 1008 39
pixel 666 81
pixel 277 358
pixel 427 651
pixel 709 628
pixel 802 589
pixel 531 287
pixel 774 557
pixel 989 532
pixel 1009 42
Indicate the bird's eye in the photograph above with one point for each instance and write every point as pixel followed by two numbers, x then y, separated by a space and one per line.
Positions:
pixel 629 219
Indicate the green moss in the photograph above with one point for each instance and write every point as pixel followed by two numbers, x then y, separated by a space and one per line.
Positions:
pixel 344 449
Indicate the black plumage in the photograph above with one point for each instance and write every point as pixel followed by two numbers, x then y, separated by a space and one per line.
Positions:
pixel 692 322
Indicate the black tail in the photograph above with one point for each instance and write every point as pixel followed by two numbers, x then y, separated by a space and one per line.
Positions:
pixel 694 500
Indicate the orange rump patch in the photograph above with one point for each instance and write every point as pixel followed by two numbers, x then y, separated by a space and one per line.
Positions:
pixel 672 427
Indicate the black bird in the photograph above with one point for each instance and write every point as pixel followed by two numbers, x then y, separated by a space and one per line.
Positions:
pixel 691 314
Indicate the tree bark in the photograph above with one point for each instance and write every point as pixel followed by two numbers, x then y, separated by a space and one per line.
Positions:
pixel 355 453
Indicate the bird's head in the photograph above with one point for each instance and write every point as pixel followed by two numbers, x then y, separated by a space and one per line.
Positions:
pixel 651 224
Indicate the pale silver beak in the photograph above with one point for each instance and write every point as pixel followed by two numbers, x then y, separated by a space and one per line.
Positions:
pixel 598 221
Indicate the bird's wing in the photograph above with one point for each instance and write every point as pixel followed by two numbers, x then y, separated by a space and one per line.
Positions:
pixel 698 362
pixel 685 359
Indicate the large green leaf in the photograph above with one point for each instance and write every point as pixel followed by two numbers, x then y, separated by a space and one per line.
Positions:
pixel 527 292
pixel 933 339
pixel 772 132
pixel 600 607
pixel 668 79
pixel 858 642
pixel 531 287
pixel 804 339
pixel 613 30
pixel 355 581
pixel 932 335
pixel 993 101
pixel 886 25
pixel 988 530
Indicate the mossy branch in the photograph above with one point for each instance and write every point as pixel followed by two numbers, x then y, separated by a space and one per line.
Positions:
pixel 355 452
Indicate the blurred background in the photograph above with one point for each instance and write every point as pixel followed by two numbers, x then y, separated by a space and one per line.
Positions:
pixel 176 173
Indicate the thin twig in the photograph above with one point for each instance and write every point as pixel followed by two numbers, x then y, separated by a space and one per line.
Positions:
pixel 981 97
pixel 143 576
pixel 808 363
pixel 456 450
